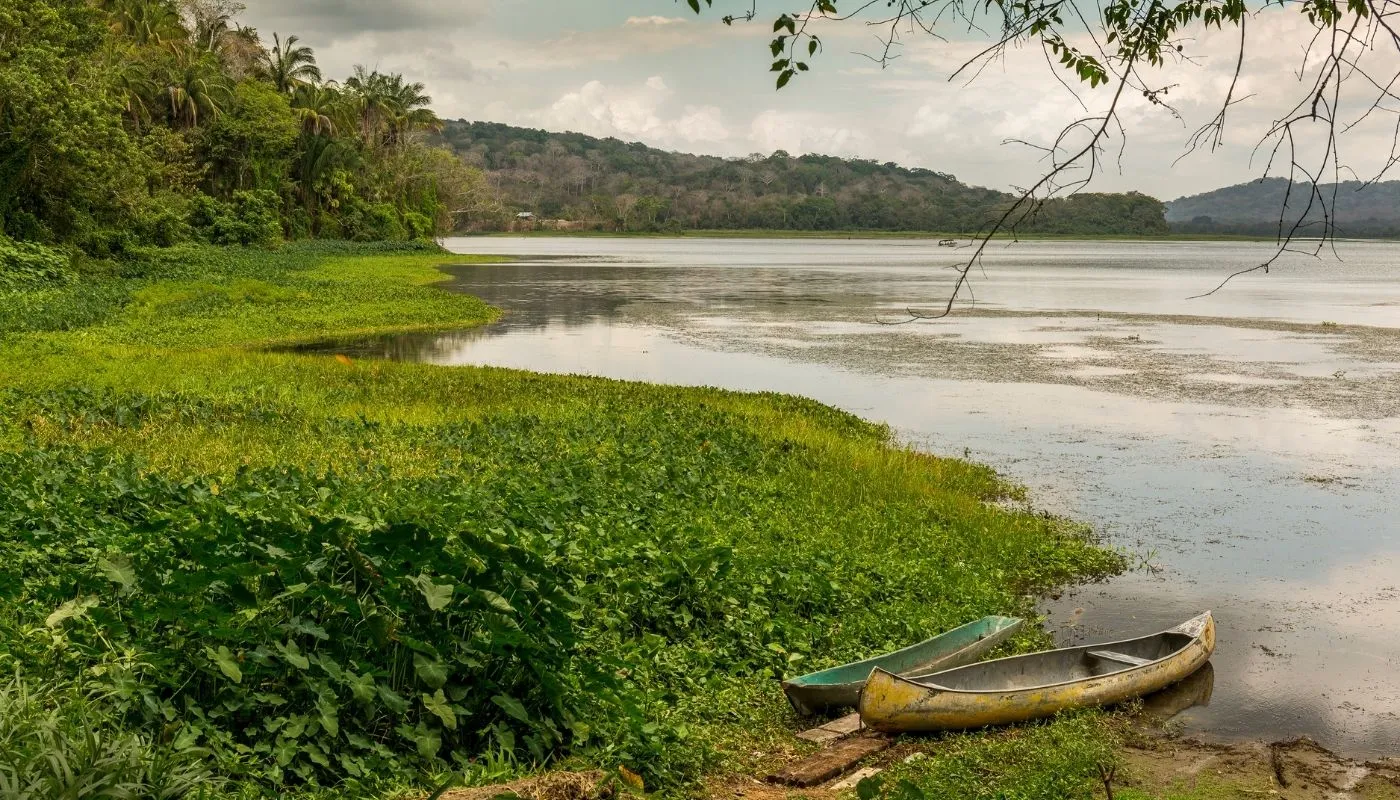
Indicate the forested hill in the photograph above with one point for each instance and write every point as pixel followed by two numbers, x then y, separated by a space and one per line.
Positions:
pixel 575 181
pixel 1253 208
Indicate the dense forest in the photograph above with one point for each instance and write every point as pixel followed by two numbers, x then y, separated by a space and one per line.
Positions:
pixel 1359 209
pixel 575 181
pixel 149 122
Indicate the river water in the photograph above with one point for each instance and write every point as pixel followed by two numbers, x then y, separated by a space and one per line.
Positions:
pixel 1244 448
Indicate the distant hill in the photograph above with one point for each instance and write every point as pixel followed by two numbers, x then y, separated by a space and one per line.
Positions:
pixel 588 182
pixel 1254 208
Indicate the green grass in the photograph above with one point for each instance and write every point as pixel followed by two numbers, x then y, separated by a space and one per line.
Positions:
pixel 311 572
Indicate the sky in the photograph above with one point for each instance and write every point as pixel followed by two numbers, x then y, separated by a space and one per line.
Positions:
pixel 653 71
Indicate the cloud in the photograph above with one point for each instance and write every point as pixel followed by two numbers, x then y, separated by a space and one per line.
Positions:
pixel 805 132
pixel 640 112
pixel 331 20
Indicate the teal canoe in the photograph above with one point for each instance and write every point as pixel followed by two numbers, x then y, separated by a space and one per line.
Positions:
pixel 840 686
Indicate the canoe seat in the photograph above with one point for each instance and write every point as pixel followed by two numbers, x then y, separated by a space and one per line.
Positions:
pixel 1121 658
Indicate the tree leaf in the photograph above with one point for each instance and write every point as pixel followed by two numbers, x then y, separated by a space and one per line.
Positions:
pixel 426 739
pixel 631 779
pixel 292 655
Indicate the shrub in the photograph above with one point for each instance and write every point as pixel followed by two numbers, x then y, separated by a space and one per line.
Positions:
pixel 375 222
pixel 419 226
pixel 251 219
pixel 28 263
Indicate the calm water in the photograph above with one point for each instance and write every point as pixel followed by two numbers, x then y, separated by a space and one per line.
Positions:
pixel 1247 454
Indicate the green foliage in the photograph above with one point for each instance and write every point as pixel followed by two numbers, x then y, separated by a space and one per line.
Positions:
pixel 609 184
pixel 251 219
pixel 1054 760
pixel 251 147
pixel 1263 208
pixel 66 162
pixel 362 574
pixel 116 115
pixel 61 743
pixel 26 263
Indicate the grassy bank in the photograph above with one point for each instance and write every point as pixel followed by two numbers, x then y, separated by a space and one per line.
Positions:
pixel 271 574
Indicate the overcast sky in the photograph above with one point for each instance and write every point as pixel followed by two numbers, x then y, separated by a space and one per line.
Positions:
pixel 651 71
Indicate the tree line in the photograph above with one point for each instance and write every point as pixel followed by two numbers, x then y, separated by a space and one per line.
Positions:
pixel 609 184
pixel 150 122
pixel 1265 207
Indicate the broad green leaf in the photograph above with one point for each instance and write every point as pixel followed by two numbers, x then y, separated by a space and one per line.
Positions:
pixel 77 607
pixel 512 707
pixel 437 704
pixel 392 699
pixel 427 740
pixel 118 570
pixel 293 655
pixel 438 595
pixel 430 672
pixel 226 663
pixel 496 601
pixel 329 715
pixel 362 687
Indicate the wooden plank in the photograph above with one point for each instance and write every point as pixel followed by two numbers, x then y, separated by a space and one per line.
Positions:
pixel 850 781
pixel 836 760
pixel 1121 658
pixel 845 725
pixel 833 730
pixel 819 735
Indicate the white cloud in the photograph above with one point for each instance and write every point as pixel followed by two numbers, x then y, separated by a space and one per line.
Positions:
pixel 635 113
pixel 805 132
pixel 709 90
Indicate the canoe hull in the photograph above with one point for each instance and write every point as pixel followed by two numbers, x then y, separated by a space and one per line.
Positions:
pixel 840 687
pixel 893 704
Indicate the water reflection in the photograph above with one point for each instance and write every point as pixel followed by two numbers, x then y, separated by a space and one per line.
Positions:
pixel 1193 691
pixel 1227 451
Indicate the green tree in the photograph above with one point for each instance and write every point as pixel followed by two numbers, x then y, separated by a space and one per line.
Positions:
pixel 290 66
pixel 67 165
pixel 196 88
pixel 251 146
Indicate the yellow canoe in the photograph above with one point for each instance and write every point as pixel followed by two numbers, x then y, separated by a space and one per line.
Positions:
pixel 1019 688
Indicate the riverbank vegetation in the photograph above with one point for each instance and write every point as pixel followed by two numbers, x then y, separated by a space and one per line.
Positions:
pixel 578 182
pixel 153 122
pixel 258 572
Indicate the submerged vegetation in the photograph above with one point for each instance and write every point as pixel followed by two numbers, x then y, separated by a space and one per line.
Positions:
pixel 268 573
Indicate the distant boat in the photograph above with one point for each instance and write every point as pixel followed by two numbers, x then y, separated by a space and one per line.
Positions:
pixel 1026 687
pixel 947 242
pixel 840 686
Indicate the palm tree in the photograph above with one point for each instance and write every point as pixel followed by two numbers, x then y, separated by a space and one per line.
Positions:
pixel 145 21
pixel 317 106
pixel 369 99
pixel 131 80
pixel 410 107
pixel 195 88
pixel 289 65
pixel 387 107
